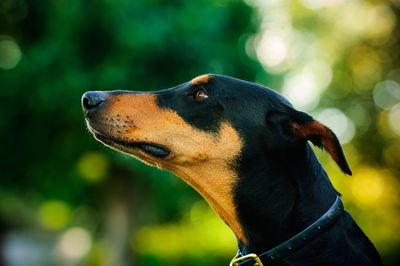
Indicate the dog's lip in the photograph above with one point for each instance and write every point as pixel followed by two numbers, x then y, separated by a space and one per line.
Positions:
pixel 154 149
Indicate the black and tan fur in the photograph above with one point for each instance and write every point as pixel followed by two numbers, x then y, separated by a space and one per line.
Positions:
pixel 244 148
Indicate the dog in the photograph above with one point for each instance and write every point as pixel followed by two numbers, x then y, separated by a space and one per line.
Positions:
pixel 245 149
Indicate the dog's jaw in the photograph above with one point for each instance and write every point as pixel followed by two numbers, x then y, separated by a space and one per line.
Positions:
pixel 202 159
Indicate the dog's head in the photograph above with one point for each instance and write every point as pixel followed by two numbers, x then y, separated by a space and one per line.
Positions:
pixel 199 129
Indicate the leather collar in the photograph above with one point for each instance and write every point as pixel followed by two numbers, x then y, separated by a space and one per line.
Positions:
pixel 294 243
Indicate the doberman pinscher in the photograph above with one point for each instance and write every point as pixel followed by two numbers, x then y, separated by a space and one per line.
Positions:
pixel 245 149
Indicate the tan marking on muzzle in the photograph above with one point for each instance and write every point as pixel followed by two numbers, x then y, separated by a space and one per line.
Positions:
pixel 201 159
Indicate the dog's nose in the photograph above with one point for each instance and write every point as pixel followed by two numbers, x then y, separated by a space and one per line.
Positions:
pixel 92 100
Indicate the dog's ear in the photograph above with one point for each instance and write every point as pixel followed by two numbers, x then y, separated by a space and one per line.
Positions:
pixel 303 126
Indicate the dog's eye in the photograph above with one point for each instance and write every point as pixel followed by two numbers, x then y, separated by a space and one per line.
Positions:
pixel 200 95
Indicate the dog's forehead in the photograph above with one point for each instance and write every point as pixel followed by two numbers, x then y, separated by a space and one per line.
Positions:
pixel 225 86
pixel 244 92
pixel 250 89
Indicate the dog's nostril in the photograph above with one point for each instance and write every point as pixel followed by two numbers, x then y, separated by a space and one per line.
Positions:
pixel 91 100
pixel 89 105
pixel 85 103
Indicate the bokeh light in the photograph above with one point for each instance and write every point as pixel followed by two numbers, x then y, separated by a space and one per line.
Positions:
pixel 387 93
pixel 272 49
pixel 54 214
pixel 304 87
pixel 10 53
pixel 75 243
pixel 93 166
pixel 394 118
pixel 336 120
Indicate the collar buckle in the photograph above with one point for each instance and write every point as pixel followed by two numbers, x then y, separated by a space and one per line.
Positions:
pixel 235 261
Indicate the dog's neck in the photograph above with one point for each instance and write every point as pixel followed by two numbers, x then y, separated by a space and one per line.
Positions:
pixel 280 195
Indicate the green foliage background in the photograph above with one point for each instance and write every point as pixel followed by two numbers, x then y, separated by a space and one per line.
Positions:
pixel 60 189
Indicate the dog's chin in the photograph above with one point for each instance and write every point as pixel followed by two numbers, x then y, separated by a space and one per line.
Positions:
pixel 132 147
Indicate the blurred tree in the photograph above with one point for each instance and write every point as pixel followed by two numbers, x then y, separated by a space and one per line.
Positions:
pixel 54 175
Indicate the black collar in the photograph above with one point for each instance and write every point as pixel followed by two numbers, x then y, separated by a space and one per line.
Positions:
pixel 294 243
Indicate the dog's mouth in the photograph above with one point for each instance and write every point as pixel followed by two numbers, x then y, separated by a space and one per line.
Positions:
pixel 153 149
